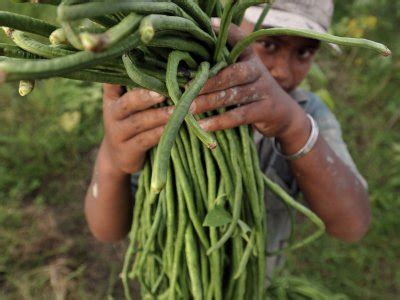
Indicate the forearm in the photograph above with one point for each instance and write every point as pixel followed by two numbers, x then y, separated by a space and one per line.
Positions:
pixel 330 187
pixel 108 202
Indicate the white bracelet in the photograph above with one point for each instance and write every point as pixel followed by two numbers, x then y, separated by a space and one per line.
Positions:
pixel 307 147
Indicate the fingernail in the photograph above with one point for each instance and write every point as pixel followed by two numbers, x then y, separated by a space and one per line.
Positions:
pixel 192 108
pixel 203 124
pixel 154 94
pixel 215 21
pixel 171 109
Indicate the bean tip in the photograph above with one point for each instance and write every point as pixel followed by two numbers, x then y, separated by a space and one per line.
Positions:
pixel 93 42
pixel 8 31
pixel 387 52
pixel 57 37
pixel 26 87
pixel 147 34
pixel 212 145
pixel 157 187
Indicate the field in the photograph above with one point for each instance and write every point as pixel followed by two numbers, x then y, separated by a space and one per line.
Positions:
pixel 48 143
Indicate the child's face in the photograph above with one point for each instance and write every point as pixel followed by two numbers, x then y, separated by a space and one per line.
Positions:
pixel 287 58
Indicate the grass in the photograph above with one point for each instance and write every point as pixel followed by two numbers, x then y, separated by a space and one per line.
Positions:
pixel 48 143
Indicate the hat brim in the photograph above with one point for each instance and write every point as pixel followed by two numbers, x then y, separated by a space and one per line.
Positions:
pixel 278 18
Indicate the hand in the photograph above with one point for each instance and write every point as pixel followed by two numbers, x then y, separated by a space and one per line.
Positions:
pixel 262 101
pixel 132 126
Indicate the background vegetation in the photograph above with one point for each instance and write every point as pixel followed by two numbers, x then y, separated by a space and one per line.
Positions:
pixel 48 143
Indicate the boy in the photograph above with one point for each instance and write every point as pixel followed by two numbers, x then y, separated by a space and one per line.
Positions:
pixel 293 152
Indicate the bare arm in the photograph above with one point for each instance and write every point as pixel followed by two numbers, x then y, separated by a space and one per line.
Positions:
pixel 108 199
pixel 132 127
pixel 331 188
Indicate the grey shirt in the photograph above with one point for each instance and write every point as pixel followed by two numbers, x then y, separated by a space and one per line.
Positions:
pixel 278 170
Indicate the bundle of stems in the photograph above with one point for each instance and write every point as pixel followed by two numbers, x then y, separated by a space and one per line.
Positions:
pixel 199 220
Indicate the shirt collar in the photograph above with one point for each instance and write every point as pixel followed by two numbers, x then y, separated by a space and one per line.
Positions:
pixel 300 95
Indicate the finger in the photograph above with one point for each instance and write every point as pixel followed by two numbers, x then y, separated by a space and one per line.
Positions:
pixel 111 92
pixel 144 121
pixel 216 24
pixel 235 35
pixel 135 101
pixel 241 94
pixel 237 74
pixel 144 141
pixel 242 115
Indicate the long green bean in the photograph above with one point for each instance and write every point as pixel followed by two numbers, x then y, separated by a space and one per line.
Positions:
pixel 193 9
pixel 25 23
pixel 324 37
pixel 261 18
pixel 276 189
pixel 242 7
pixel 223 31
pixel 154 23
pixel 237 202
pixel 133 233
pixel 193 262
pixel 91 10
pixel 163 151
pixel 175 93
pixel 99 42
pixel 36 69
pixel 171 222
pixel 182 223
pixel 16 52
pixel 188 196
pixel 28 44
pixel 176 43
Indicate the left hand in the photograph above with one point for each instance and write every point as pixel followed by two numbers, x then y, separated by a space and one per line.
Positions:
pixel 248 83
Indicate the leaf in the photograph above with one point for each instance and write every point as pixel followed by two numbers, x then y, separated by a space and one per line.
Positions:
pixel 217 217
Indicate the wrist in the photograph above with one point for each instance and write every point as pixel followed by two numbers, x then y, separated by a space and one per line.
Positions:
pixel 106 166
pixel 296 133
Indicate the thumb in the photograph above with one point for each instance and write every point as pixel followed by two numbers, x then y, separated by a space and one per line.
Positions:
pixel 111 92
pixel 235 34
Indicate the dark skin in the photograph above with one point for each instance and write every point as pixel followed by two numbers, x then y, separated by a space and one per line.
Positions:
pixel 260 83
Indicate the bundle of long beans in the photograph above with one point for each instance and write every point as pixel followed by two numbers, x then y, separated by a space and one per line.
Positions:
pixel 199 217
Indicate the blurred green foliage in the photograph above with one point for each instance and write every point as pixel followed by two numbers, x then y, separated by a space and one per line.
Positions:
pixel 60 118
pixel 46 153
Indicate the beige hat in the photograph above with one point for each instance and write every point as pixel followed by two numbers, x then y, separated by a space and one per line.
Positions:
pixel 314 15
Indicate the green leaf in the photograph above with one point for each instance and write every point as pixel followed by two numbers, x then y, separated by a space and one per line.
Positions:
pixel 217 217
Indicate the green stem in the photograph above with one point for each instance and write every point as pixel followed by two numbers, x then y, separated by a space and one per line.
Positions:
pixel 260 20
pixel 277 190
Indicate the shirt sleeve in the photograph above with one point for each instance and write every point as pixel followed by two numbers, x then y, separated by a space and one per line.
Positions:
pixel 134 182
pixel 330 130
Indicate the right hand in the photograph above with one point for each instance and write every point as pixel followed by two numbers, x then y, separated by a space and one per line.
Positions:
pixel 132 126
